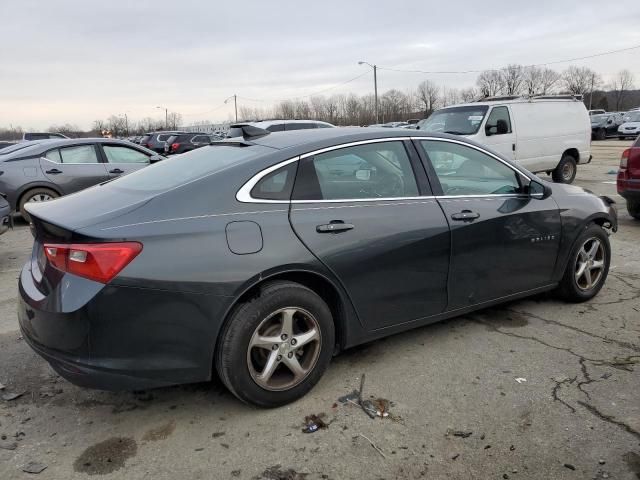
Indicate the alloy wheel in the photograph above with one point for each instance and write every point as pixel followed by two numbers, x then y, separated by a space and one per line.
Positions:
pixel 589 269
pixel 284 349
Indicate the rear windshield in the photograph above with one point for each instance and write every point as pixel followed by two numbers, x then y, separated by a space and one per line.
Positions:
pixel 20 146
pixel 181 169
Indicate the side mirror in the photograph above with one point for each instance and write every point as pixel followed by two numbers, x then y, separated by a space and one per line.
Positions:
pixel 487 130
pixel 538 190
pixel 155 158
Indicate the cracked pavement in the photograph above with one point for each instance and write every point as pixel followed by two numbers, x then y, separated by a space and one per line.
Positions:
pixel 576 416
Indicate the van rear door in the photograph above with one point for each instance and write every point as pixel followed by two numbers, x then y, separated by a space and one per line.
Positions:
pixel 499 132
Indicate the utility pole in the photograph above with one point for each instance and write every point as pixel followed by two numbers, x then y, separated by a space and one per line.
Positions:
pixel 593 79
pixel 375 86
pixel 126 124
pixel 166 117
pixel 235 104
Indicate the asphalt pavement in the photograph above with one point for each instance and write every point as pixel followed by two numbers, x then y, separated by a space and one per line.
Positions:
pixel 534 389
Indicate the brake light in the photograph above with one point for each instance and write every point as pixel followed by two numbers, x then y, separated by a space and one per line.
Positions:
pixel 625 158
pixel 175 146
pixel 100 262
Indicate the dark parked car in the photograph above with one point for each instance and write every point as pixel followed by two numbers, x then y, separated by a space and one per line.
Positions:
pixel 28 136
pixel 185 142
pixel 262 257
pixel 603 126
pixel 42 170
pixel 5 215
pixel 156 140
pixel 628 183
pixel 6 144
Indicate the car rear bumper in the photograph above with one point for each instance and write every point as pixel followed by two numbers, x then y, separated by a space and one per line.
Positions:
pixel 121 338
pixel 628 188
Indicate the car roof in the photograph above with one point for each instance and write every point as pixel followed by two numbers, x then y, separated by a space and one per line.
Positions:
pixel 30 146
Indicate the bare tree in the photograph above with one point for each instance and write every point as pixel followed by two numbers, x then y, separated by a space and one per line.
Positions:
pixel 174 120
pixel 621 84
pixel 580 80
pixel 489 83
pixel 318 107
pixel 548 80
pixel 511 78
pixel 331 108
pixel 532 80
pixel 468 94
pixel 428 94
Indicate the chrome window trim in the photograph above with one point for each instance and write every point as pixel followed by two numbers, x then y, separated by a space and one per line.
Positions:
pixel 244 193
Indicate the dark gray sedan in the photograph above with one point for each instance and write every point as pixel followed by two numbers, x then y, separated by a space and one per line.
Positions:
pixel 263 256
pixel 41 170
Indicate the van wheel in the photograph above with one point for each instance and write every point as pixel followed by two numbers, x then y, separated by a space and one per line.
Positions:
pixel 35 195
pixel 633 207
pixel 275 348
pixel 601 135
pixel 588 266
pixel 565 172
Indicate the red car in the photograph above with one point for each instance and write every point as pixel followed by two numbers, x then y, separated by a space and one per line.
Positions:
pixel 629 178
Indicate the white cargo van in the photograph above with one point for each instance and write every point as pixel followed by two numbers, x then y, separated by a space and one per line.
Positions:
pixel 549 134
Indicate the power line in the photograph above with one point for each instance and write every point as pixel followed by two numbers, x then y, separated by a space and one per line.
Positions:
pixel 611 52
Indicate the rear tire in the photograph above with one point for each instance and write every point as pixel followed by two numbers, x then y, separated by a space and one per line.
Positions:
pixel 588 266
pixel 40 194
pixel 633 207
pixel 602 134
pixel 255 334
pixel 566 170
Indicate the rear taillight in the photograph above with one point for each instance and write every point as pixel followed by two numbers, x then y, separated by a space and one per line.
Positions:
pixel 100 262
pixel 148 145
pixel 625 158
pixel 174 146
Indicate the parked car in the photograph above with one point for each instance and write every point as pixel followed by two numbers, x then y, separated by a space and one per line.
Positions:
pixel 603 126
pixel 278 126
pixel 42 170
pixel 5 214
pixel 597 111
pixel 631 126
pixel 628 183
pixel 6 144
pixel 549 134
pixel 262 257
pixel 156 140
pixel 185 142
pixel 28 136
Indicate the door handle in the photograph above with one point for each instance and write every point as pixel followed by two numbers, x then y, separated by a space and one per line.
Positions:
pixel 116 170
pixel 335 226
pixel 54 171
pixel 465 216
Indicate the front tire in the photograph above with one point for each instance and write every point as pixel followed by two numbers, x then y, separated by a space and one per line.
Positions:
pixel 633 207
pixel 566 170
pixel 588 266
pixel 602 134
pixel 274 349
pixel 35 195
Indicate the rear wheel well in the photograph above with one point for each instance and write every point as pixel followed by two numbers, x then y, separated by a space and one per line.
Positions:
pixel 602 222
pixel 573 152
pixel 318 284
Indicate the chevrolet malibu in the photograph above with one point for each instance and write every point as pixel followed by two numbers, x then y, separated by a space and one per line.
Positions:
pixel 263 256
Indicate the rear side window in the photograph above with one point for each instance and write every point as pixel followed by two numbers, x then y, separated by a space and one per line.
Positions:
pixel 300 126
pixel 163 137
pixel 371 171
pixel 201 139
pixel 187 167
pixel 79 154
pixel 277 185
pixel 173 138
pixel 54 156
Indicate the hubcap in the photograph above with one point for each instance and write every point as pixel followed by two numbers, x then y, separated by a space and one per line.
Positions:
pixel 567 171
pixel 284 348
pixel 40 197
pixel 589 268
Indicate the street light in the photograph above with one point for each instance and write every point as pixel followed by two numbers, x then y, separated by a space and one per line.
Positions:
pixel 235 104
pixel 166 117
pixel 375 84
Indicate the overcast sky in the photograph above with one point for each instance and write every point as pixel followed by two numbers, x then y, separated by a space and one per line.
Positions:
pixel 77 61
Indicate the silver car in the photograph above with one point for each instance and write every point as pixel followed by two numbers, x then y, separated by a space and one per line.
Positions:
pixel 45 169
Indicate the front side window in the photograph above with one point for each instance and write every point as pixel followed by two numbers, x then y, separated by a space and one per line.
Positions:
pixel 79 154
pixel 498 122
pixel 119 154
pixel 370 171
pixel 463 170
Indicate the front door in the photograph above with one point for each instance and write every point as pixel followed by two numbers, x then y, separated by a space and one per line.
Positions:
pixel 498 132
pixel 502 241
pixel 73 168
pixel 360 211
pixel 121 159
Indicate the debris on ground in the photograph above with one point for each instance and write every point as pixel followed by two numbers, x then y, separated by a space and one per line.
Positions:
pixel 521 380
pixel 382 407
pixel 459 433
pixel 276 473
pixel 372 444
pixel 2 387
pixel 376 407
pixel 34 467
pixel 7 397
pixel 5 445
pixel 369 408
pixel 218 434
pixel 569 466
pixel 350 397
pixel 455 456
pixel 313 423
pixel 612 172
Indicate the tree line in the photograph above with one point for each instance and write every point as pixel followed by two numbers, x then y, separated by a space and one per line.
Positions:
pixel 394 104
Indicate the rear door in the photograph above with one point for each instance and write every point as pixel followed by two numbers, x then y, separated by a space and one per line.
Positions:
pixel 499 133
pixel 74 168
pixel 503 241
pixel 365 211
pixel 121 159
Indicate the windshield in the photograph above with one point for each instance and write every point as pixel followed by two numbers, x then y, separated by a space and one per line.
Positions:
pixel 187 167
pixel 632 117
pixel 598 118
pixel 455 120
